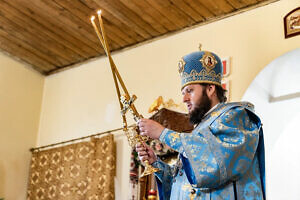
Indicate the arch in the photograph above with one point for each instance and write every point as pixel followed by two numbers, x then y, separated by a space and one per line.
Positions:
pixel 275 92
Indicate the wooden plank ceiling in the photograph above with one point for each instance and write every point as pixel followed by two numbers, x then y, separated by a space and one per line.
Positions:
pixel 51 35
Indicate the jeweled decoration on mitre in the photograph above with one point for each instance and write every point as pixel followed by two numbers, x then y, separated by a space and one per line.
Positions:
pixel 181 64
pixel 208 61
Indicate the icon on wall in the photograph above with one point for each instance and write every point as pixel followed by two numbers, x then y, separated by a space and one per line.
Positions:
pixel 292 23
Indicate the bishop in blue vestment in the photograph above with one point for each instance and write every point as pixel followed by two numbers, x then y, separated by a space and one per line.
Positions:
pixel 223 158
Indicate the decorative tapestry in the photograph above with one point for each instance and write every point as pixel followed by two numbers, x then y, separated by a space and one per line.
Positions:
pixel 83 170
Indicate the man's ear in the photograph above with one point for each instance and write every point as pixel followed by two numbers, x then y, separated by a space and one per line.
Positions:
pixel 210 90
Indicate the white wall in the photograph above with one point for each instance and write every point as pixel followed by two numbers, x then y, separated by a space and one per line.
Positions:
pixel 276 92
pixel 82 101
pixel 20 106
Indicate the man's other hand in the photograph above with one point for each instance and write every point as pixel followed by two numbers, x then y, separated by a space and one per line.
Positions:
pixel 145 153
pixel 150 128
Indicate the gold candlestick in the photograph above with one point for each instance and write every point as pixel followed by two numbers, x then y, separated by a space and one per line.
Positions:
pixel 112 69
pixel 126 102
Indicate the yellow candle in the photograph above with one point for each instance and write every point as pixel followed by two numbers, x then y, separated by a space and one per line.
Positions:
pixel 100 20
pixel 102 29
pixel 97 31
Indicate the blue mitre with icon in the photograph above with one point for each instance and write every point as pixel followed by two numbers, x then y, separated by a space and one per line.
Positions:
pixel 200 67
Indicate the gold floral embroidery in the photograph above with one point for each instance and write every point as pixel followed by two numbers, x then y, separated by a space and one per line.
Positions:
pixel 174 136
pixel 201 76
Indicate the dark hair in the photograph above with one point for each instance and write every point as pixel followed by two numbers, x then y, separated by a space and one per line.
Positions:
pixel 221 93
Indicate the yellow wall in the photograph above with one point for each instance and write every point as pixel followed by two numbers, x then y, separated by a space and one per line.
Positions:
pixel 20 104
pixel 83 101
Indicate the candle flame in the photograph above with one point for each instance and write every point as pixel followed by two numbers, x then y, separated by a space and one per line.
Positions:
pixel 93 18
pixel 99 12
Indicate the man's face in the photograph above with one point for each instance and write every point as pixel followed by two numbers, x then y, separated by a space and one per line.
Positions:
pixel 192 95
pixel 197 101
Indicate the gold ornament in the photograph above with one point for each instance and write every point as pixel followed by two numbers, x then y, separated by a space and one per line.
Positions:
pixel 181 65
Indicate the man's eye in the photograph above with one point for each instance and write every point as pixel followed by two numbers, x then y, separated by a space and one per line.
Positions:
pixel 187 91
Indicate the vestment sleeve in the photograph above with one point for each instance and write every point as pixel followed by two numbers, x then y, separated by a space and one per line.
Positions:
pixel 164 179
pixel 220 152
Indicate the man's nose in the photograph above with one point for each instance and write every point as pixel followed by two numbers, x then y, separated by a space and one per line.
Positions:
pixel 185 98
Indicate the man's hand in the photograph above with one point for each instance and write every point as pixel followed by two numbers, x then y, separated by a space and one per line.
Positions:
pixel 145 153
pixel 150 128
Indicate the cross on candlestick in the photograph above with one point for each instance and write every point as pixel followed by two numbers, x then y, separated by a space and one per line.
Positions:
pixel 127 106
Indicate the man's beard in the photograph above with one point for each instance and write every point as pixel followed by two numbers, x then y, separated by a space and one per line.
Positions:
pixel 201 108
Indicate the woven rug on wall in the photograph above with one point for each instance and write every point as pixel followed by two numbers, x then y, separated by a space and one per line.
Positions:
pixel 81 171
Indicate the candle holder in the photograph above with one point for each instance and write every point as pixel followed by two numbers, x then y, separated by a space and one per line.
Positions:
pixel 126 102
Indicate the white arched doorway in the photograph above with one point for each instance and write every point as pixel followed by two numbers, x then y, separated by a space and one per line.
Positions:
pixel 275 92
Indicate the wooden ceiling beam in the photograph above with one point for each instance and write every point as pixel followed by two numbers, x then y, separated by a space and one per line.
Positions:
pixel 73 8
pixel 110 9
pixel 237 4
pixel 135 7
pixel 158 17
pixel 25 55
pixel 29 22
pixel 188 10
pixel 54 14
pixel 55 26
pixel 117 31
pixel 60 13
pixel 172 7
pixel 170 16
pixel 212 7
pixel 164 9
pixel 200 8
pixel 127 17
pixel 224 6
pixel 36 39
pixel 117 4
pixel 249 2
pixel 48 58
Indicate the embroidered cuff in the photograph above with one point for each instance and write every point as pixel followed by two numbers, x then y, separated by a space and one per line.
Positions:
pixel 163 134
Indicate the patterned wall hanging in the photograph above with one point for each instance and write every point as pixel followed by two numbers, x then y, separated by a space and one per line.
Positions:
pixel 82 170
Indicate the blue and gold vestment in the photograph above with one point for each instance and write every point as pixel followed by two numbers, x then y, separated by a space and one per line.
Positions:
pixel 223 158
